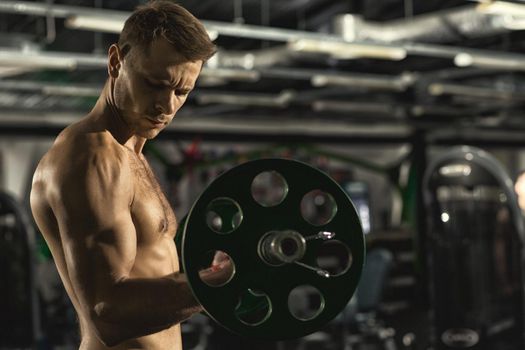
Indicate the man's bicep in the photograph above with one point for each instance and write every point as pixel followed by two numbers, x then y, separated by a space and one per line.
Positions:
pixel 97 260
pixel 97 230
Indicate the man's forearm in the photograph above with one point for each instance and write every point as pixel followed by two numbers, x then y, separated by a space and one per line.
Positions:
pixel 139 306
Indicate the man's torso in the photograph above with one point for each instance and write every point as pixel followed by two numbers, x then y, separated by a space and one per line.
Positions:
pixel 154 222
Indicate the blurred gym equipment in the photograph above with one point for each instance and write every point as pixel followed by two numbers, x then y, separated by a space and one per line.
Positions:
pixel 476 237
pixel 20 321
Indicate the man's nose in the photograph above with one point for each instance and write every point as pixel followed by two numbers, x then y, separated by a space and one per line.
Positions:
pixel 166 103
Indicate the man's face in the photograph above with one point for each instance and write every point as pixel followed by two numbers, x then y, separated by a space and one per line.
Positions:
pixel 151 87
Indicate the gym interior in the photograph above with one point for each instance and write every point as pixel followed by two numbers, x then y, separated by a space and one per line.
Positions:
pixel 415 108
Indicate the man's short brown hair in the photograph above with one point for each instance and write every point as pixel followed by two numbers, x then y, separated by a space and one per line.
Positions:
pixel 165 19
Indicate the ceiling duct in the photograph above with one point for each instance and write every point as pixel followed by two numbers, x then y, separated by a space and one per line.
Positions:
pixel 437 27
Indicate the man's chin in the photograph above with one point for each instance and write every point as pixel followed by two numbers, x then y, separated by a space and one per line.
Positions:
pixel 150 134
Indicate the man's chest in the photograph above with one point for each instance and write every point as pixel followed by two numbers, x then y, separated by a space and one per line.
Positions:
pixel 151 212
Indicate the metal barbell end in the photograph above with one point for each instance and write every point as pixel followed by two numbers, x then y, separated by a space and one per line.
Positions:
pixel 324 235
pixel 317 270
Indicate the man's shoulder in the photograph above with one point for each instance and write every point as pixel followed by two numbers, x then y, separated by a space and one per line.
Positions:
pixel 77 152
pixel 80 145
pixel 83 139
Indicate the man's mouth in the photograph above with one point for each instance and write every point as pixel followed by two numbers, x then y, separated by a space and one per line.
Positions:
pixel 157 122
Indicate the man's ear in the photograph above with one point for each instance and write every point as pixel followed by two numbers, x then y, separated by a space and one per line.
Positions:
pixel 114 60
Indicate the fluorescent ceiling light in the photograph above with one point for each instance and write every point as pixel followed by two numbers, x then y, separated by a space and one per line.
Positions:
pixel 344 50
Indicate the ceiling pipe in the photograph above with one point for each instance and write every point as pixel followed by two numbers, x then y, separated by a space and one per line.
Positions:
pixel 443 110
pixel 197 124
pixel 280 100
pixel 47 88
pixel 482 92
pixel 345 51
pixel 251 59
pixel 59 11
pixel 13 58
pixel 501 8
pixel 20 59
pixel 43 96
pixel 381 109
pixel 54 60
pixel 111 21
pixel 10 71
pixel 60 60
pixel 508 61
pixel 230 74
pixel 372 81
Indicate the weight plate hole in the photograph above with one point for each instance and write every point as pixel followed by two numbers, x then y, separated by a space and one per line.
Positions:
pixel 269 188
pixel 223 215
pixel 318 207
pixel 289 247
pixel 335 257
pixel 254 307
pixel 305 302
pixel 217 268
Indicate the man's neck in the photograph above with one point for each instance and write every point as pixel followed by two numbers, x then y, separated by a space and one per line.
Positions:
pixel 106 112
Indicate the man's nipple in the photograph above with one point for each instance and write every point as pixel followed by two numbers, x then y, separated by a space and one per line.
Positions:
pixel 163 225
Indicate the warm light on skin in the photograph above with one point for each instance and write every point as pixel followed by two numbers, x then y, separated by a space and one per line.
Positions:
pixel 519 187
pixel 149 88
